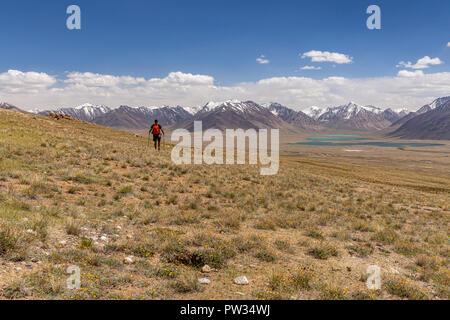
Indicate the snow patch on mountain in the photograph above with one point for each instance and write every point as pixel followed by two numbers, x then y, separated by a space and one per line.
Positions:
pixel 314 112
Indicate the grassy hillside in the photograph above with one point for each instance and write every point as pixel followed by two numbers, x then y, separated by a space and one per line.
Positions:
pixel 139 227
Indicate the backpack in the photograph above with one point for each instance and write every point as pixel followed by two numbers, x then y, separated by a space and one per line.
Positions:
pixel 156 129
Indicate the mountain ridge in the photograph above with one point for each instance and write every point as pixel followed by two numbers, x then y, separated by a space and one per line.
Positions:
pixel 433 124
pixel 248 114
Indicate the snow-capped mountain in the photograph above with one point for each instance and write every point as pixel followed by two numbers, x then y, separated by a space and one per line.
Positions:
pixel 234 105
pixel 192 110
pixel 433 124
pixel 296 118
pixel 354 116
pixel 314 112
pixel 435 104
pixel 426 108
pixel 394 115
pixel 86 112
pixel 235 114
pixel 126 117
pixel 401 111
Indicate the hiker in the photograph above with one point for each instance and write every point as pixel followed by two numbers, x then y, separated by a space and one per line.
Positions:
pixel 157 132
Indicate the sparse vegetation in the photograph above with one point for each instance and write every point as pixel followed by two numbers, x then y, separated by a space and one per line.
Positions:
pixel 139 227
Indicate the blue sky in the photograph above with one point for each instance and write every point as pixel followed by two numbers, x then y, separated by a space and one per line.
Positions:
pixel 222 39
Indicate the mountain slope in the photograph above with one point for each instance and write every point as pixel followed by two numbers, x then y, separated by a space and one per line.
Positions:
pixel 431 125
pixel 435 104
pixel 428 107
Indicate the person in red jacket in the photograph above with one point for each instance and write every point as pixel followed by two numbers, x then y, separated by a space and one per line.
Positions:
pixel 157 132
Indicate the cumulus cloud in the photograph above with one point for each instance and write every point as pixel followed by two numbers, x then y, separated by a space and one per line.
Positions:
pixel 99 80
pixel 18 81
pixel 31 90
pixel 448 45
pixel 423 63
pixel 410 74
pixel 311 68
pixel 325 56
pixel 262 60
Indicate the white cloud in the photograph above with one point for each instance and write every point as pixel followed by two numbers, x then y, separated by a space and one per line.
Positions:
pixel 30 90
pixel 18 81
pixel 410 74
pixel 311 68
pixel 423 63
pixel 325 56
pixel 262 60
pixel 448 45
pixel 99 80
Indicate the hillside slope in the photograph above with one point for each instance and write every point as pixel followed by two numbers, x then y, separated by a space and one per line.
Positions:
pixel 139 227
pixel 430 125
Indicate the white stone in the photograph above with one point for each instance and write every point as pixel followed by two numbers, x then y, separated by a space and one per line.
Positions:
pixel 204 281
pixel 241 280
pixel 128 260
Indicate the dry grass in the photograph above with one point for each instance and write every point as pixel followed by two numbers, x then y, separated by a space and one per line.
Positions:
pixel 72 193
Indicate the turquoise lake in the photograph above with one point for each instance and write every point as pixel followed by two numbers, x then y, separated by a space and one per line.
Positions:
pixel 349 141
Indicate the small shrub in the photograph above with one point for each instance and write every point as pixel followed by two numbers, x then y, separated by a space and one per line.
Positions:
pixel 315 235
pixel 8 240
pixel 266 224
pixel 266 255
pixel 323 252
pixel 86 243
pixel 386 236
pixel 332 293
pixel 283 246
pixel 125 190
pixel 73 228
pixel 404 289
pixel 186 283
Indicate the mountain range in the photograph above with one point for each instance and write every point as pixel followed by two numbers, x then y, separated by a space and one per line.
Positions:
pixel 86 112
pixel 234 114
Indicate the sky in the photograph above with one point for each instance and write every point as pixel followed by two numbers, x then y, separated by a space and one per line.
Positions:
pixel 296 52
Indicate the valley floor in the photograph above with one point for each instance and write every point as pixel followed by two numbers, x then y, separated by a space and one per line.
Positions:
pixel 140 227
